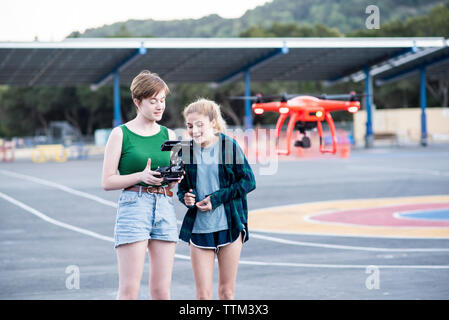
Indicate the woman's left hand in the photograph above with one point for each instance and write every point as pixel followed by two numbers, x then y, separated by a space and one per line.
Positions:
pixel 204 205
pixel 171 185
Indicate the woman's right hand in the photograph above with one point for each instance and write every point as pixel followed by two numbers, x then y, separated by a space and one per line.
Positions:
pixel 189 198
pixel 150 177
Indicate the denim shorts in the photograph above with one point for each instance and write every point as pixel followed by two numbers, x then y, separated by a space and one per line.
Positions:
pixel 145 216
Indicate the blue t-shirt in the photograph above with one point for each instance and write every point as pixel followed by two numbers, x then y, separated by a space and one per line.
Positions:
pixel 207 182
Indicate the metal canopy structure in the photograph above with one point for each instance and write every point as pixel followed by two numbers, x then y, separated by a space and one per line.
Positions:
pixel 92 61
pixel 431 63
pixel 423 63
pixel 434 60
pixel 97 62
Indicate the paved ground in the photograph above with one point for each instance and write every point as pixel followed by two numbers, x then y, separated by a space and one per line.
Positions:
pixel 56 215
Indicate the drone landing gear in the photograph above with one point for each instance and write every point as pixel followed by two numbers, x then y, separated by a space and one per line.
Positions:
pixel 331 124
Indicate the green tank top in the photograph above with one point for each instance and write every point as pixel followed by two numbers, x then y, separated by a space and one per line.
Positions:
pixel 136 150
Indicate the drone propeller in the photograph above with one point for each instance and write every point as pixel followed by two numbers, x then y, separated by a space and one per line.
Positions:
pixel 352 96
pixel 345 96
pixel 252 98
pixel 258 98
pixel 267 98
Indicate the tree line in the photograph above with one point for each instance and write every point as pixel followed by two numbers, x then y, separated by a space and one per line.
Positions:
pixel 23 110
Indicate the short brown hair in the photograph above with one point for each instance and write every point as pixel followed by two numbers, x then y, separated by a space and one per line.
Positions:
pixel 147 84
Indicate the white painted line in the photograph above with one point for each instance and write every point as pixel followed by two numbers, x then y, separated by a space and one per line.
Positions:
pixel 333 246
pixel 313 234
pixel 60 187
pixel 53 221
pixel 341 266
pixel 437 173
pixel 65 225
pixel 184 257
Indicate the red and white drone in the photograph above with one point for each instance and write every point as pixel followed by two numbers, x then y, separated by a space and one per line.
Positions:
pixel 306 113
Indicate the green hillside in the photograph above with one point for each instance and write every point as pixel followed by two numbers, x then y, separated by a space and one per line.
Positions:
pixel 342 15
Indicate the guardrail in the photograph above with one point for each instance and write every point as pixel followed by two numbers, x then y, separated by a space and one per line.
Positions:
pixel 47 152
pixel 59 153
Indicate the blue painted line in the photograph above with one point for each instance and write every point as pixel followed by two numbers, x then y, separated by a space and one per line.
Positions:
pixel 428 215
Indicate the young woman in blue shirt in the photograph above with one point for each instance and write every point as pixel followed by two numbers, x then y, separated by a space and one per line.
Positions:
pixel 214 189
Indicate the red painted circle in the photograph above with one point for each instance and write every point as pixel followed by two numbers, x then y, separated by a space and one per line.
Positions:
pixel 384 216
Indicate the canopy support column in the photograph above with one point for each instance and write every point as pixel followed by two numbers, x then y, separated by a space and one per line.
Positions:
pixel 423 97
pixel 369 137
pixel 117 109
pixel 248 114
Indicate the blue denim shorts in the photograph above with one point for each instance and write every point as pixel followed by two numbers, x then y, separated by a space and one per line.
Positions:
pixel 145 216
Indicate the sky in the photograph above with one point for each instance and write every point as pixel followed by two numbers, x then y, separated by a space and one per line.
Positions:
pixel 53 20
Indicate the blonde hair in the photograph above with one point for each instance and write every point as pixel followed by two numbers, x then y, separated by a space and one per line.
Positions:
pixel 207 108
pixel 147 84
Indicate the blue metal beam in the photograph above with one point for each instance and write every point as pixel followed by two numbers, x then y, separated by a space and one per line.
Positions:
pixel 115 73
pixel 423 102
pixel 130 58
pixel 248 121
pixel 248 67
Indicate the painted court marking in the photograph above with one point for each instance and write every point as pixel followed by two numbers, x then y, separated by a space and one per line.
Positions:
pixel 384 216
pixel 246 262
pixel 254 235
pixel 439 215
pixel 361 217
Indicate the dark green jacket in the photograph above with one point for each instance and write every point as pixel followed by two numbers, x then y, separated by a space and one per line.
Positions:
pixel 236 181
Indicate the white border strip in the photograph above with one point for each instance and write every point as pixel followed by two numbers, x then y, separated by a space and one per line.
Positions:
pixel 227 43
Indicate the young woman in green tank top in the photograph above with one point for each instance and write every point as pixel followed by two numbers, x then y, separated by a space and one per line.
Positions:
pixel 146 216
